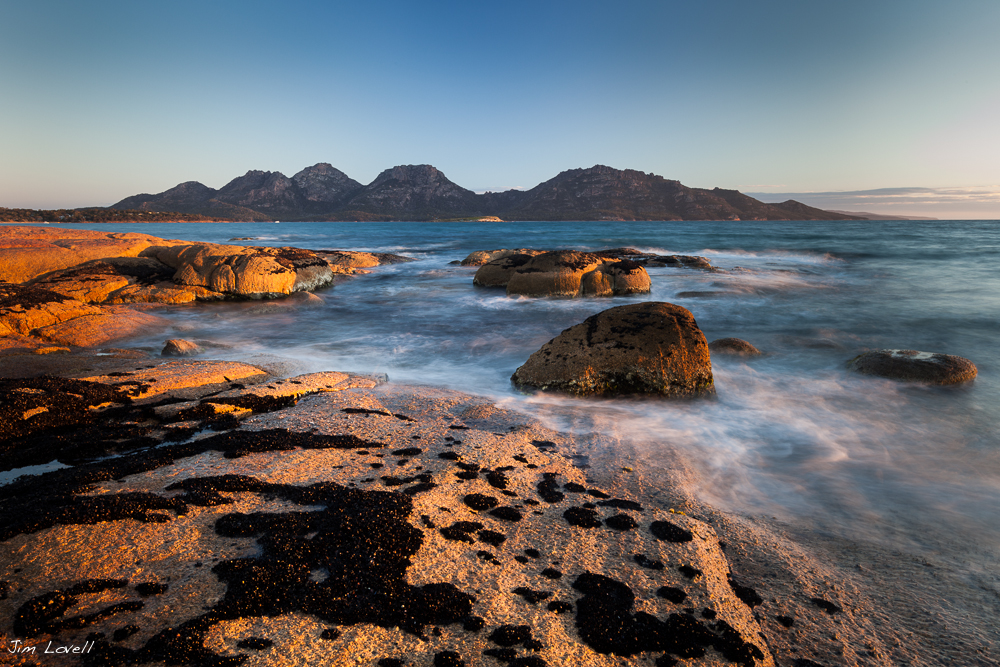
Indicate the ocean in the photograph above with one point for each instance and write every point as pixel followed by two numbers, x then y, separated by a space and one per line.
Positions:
pixel 791 435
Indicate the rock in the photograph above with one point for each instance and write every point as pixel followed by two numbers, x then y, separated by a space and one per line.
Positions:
pixel 644 348
pixel 497 272
pixel 184 533
pixel 117 280
pixel 480 257
pixel 248 272
pixel 687 261
pixel 27 310
pixel 182 379
pixel 23 309
pixel 27 252
pixel 571 273
pixel 914 366
pixel 349 259
pixel 12 344
pixel 353 259
pixel 733 346
pixel 178 347
pixel 108 324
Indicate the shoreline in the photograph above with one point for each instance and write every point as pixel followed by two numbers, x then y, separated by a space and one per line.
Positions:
pixel 849 603
pixel 845 601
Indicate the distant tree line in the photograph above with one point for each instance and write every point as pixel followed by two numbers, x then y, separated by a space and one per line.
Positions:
pixel 100 215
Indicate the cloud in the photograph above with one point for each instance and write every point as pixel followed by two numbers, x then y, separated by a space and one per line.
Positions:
pixel 500 189
pixel 974 202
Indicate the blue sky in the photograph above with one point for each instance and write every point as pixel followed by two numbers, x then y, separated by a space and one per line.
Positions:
pixel 101 100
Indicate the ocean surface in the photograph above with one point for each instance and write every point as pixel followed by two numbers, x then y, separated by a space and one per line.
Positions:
pixel 791 435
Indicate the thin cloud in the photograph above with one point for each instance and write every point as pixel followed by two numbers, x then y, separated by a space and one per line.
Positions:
pixel 973 202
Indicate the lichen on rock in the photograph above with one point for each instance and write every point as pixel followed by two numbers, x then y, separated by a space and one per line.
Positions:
pixel 645 348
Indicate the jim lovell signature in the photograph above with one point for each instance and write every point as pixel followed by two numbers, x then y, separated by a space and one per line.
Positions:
pixel 64 648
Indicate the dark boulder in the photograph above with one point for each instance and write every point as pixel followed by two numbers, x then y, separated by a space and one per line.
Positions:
pixel 914 366
pixel 734 347
pixel 644 348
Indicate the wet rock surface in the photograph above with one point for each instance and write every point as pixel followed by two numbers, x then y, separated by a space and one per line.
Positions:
pixel 286 533
pixel 207 539
pixel 914 366
pixel 647 348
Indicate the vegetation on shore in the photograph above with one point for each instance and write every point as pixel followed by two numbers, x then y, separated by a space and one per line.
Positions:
pixel 100 215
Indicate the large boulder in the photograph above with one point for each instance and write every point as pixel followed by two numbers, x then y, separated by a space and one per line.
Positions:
pixel 566 273
pixel 914 366
pixel 248 272
pixel 118 280
pixel 644 348
pixel 28 251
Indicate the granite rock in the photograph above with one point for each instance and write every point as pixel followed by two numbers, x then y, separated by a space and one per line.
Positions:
pixel 645 348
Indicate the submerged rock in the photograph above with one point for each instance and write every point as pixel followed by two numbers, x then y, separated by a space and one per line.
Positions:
pixel 645 348
pixel 734 347
pixel 914 366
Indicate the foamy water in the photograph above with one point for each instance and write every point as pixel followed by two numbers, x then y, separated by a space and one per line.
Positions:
pixel 791 434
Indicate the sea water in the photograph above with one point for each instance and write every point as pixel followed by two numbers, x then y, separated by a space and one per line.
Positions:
pixel 791 434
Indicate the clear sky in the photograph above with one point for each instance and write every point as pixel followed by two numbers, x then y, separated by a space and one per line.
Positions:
pixel 100 100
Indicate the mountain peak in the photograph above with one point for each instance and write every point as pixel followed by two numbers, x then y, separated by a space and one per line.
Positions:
pixel 423 192
pixel 323 183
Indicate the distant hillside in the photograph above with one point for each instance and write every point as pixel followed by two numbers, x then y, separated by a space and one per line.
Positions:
pixel 423 193
pixel 883 216
pixel 100 215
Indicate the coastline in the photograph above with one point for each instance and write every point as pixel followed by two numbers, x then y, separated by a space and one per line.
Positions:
pixel 879 603
pixel 807 597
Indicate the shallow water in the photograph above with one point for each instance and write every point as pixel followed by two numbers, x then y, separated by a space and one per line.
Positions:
pixel 791 434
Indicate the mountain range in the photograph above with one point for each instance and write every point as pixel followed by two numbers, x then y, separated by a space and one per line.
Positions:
pixel 424 193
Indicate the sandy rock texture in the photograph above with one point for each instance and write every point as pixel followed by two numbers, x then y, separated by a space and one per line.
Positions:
pixel 914 366
pixel 356 527
pixel 646 348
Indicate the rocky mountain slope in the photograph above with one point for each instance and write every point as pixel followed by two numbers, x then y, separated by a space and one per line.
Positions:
pixel 422 192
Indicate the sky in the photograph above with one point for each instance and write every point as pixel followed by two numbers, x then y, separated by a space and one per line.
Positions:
pixel 101 100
